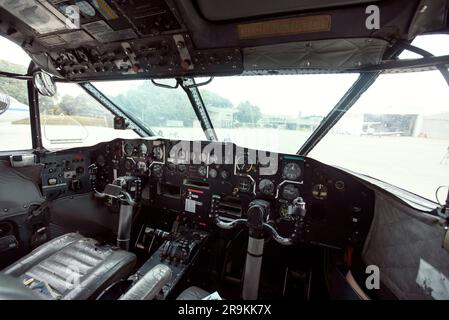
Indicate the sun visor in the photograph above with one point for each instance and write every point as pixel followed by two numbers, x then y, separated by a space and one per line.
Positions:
pixel 323 54
pixel 39 15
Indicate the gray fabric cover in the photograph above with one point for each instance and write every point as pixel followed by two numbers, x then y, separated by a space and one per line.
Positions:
pixel 193 293
pixel 321 54
pixel 406 245
pixel 73 267
pixel 81 213
pixel 17 192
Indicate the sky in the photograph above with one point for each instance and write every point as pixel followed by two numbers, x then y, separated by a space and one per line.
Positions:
pixel 316 94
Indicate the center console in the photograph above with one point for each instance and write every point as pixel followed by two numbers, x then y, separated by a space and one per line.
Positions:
pixel 178 251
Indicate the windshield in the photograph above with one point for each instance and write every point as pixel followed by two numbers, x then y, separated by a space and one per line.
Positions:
pixel 168 112
pixel 274 113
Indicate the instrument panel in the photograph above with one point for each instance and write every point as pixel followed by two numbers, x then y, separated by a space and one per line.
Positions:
pixel 202 178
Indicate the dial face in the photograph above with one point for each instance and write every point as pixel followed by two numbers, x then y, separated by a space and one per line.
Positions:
pixel 243 165
pixel 129 164
pixel 171 167
pixel 290 192
pixel 266 186
pixel 213 173
pixel 182 155
pixel 319 191
pixel 182 168
pixel 339 185
pixel 225 174
pixel 212 159
pixel 158 153
pixel 128 149
pixel 141 167
pixel 101 160
pixel 202 171
pixel 245 185
pixel 291 171
pixel 157 170
pixel 143 149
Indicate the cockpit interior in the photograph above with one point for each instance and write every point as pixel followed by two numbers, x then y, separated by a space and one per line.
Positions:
pixel 146 214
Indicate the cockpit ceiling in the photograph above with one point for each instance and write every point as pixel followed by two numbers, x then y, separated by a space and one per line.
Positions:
pixel 118 39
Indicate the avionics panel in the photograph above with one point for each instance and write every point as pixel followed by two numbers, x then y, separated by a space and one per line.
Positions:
pixel 199 181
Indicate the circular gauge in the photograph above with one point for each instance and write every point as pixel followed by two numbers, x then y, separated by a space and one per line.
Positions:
pixel 182 168
pixel 181 155
pixel 291 171
pixel 319 191
pixel 243 165
pixel 264 161
pixel 141 167
pixel 157 170
pixel 266 186
pixel 283 210
pixel 225 174
pixel 213 159
pixel 128 149
pixel 213 173
pixel 101 160
pixel 202 171
pixel 143 149
pixel 158 153
pixel 129 164
pixel 171 167
pixel 85 8
pixel 339 185
pixel 245 185
pixel 290 192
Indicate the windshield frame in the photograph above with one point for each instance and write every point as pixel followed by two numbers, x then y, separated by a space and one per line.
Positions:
pixel 350 97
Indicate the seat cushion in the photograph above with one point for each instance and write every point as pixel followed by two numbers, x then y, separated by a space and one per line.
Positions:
pixel 72 267
pixel 193 293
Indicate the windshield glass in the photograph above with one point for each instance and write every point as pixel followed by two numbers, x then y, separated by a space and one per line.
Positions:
pixel 398 131
pixel 73 119
pixel 167 112
pixel 274 113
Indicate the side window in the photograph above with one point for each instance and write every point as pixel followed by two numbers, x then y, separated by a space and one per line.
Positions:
pixel 15 130
pixel 398 131
pixel 72 119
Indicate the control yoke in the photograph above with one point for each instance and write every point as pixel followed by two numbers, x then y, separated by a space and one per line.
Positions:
pixel 257 215
pixel 119 190
pixel 258 212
